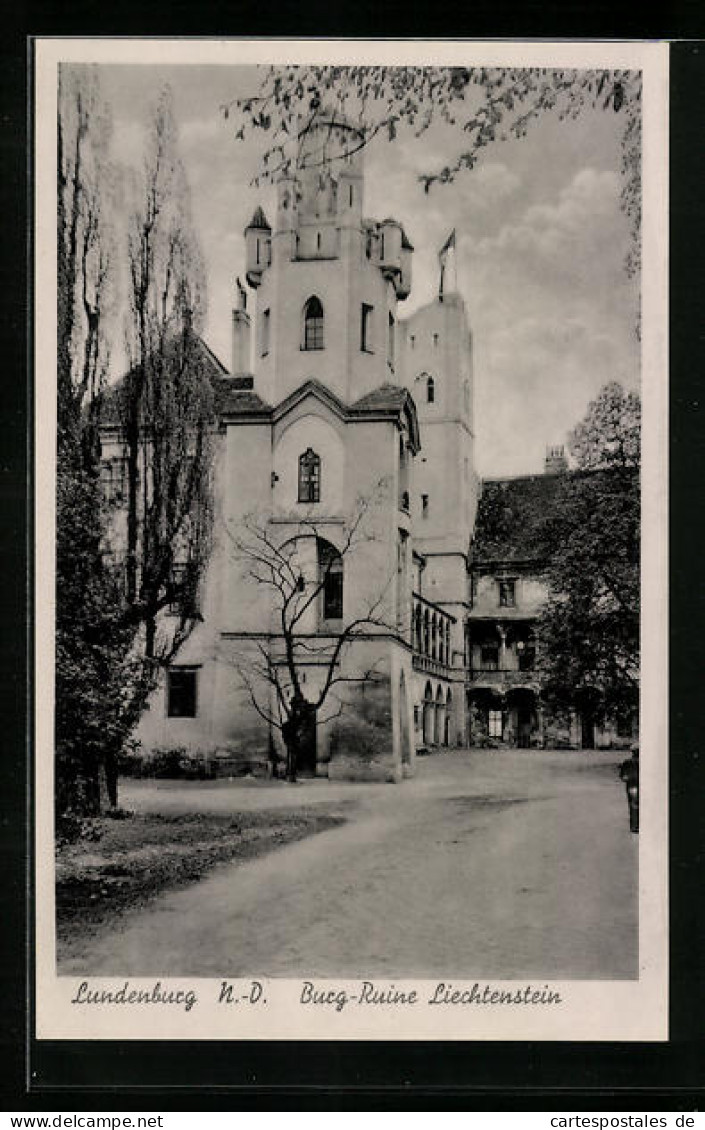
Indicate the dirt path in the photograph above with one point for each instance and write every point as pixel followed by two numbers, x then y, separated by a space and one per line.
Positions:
pixel 489 865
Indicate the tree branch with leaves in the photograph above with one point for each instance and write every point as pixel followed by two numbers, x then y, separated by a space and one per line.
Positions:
pixel 487 105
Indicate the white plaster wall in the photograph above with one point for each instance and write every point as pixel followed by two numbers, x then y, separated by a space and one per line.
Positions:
pixel 342 284
pixel 309 429
pixel 530 596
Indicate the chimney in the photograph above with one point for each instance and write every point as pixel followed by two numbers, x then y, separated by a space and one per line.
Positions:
pixel 556 460
pixel 240 358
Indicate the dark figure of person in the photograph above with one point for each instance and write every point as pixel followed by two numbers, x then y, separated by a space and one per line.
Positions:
pixel 629 772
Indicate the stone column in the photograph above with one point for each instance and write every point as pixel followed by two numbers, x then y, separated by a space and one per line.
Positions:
pixel 502 632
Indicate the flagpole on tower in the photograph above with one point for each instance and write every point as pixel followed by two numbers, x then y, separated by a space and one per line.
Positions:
pixel 446 259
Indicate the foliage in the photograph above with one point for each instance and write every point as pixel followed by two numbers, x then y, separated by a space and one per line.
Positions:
pixel 486 104
pixel 479 731
pixel 100 685
pixel 86 186
pixel 103 678
pixel 167 401
pixel 589 629
pixel 94 662
pixel 360 736
pixel 177 763
pixel 610 434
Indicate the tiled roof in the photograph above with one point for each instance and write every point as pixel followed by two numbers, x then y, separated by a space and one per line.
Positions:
pixel 511 518
pixel 387 396
pixel 516 517
pixel 231 398
pixel 231 393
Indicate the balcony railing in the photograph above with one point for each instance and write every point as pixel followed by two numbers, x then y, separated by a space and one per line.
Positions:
pixel 506 677
pixel 431 666
pixel 430 635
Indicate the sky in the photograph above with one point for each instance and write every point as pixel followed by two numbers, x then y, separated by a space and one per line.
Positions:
pixel 541 245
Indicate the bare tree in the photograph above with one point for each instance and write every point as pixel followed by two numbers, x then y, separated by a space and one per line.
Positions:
pixel 167 400
pixel 295 587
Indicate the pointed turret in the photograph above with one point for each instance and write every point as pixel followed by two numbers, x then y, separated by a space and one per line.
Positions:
pixel 258 247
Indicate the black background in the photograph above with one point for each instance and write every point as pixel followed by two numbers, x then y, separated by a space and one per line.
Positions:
pixel 201 1076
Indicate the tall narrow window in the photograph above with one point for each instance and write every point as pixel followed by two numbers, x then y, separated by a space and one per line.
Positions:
pixel 181 692
pixel 318 241
pixel 430 390
pixel 435 341
pixel 507 593
pixel 424 506
pixel 313 324
pixel 365 319
pixel 309 476
pixel 412 341
pixel 351 196
pixel 265 333
pixel 494 723
pixel 330 565
pixel 390 342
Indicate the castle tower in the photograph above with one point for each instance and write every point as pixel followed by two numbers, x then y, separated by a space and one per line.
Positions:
pixel 438 370
pixel 328 281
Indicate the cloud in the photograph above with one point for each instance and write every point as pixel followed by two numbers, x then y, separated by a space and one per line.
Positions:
pixel 553 316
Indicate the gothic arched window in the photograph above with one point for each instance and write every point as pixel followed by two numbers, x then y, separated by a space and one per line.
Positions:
pixel 309 476
pixel 430 390
pixel 313 324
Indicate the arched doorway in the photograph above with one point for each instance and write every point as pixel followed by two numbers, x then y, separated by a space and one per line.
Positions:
pixel 448 718
pixel 439 727
pixel 404 734
pixel 428 715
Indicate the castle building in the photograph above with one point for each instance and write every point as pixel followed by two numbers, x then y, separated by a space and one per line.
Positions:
pixel 359 567
pixel 345 446
pixel 508 590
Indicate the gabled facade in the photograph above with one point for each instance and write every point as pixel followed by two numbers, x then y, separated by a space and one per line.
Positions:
pixel 508 591
pixel 332 400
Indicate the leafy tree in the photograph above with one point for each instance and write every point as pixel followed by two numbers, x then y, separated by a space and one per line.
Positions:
pixel 92 641
pixel 589 629
pixel 85 256
pixel 166 400
pixel 97 672
pixel 486 104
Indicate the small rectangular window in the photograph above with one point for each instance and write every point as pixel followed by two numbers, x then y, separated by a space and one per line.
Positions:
pixel 365 319
pixel 265 333
pixel 113 478
pixel 181 692
pixel 390 344
pixel 333 592
pixel 494 720
pixel 176 587
pixel 507 593
pixel 424 505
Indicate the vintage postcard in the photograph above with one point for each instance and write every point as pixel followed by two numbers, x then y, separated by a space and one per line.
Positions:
pixel 351 513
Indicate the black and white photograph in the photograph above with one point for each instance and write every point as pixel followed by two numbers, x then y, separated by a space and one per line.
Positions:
pixel 351 518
